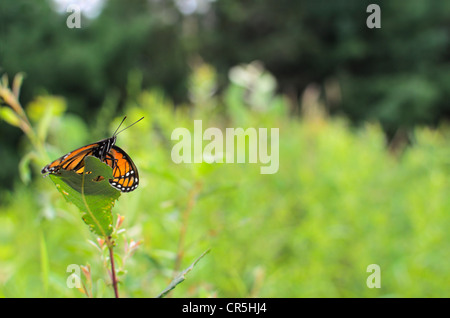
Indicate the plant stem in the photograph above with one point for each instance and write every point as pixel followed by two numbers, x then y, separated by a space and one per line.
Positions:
pixel 110 245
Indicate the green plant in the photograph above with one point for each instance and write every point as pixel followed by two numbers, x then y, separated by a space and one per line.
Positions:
pixel 89 191
pixel 339 202
pixel 95 200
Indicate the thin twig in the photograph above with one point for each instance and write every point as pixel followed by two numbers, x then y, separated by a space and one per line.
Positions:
pixel 110 245
pixel 181 276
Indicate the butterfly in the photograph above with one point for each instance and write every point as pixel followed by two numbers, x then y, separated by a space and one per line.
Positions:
pixel 125 174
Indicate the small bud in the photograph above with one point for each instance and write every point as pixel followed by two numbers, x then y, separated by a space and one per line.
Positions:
pixel 86 271
pixel 133 247
pixel 119 222
pixel 100 242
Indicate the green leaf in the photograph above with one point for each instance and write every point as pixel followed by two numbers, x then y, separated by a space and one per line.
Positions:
pixel 94 199
pixel 8 115
pixel 17 83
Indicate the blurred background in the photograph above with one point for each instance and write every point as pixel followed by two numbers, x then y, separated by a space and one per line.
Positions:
pixel 364 145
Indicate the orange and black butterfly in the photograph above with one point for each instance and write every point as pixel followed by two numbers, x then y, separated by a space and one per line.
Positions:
pixel 125 173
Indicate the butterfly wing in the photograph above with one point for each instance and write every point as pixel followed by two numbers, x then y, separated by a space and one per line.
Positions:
pixel 125 173
pixel 74 160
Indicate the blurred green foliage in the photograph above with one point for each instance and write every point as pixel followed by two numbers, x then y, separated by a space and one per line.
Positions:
pixel 339 202
pixel 397 75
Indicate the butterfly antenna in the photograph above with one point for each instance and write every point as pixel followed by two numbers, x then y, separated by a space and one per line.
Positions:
pixel 115 134
pixel 119 125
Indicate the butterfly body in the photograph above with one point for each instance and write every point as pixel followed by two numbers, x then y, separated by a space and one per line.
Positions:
pixel 125 174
